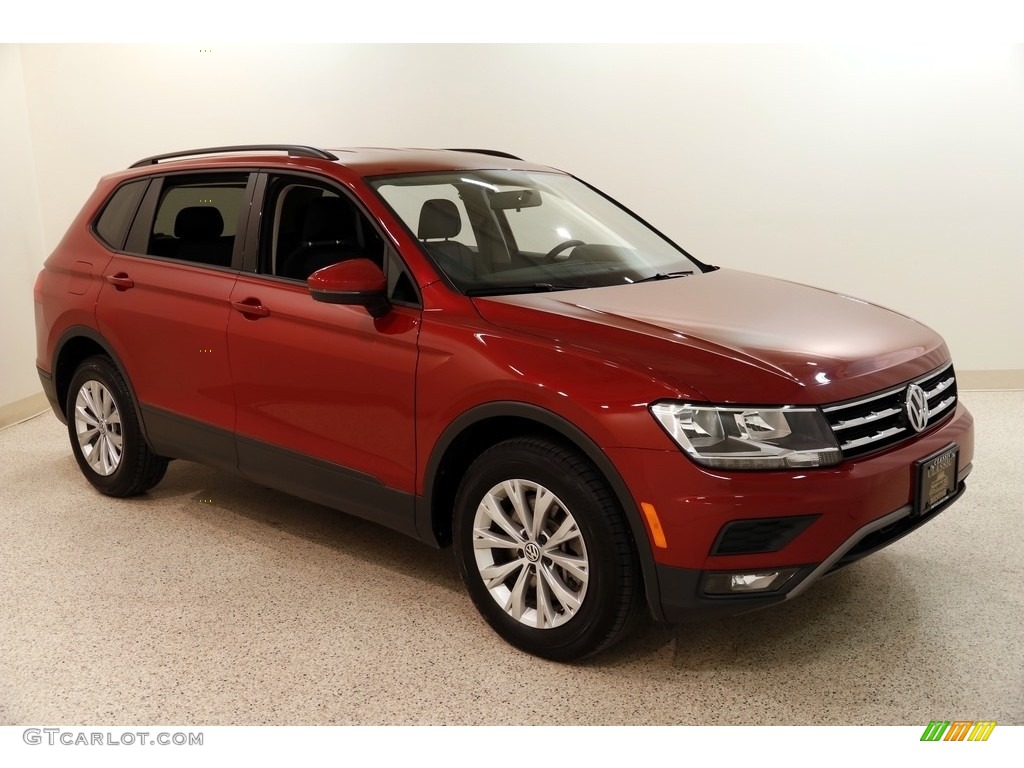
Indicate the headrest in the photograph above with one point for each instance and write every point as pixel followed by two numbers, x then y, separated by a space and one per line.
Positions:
pixel 439 218
pixel 328 218
pixel 199 222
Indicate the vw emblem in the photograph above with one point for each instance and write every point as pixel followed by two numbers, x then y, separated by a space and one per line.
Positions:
pixel 917 407
pixel 532 552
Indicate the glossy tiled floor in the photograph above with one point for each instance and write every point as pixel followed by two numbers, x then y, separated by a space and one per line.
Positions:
pixel 215 601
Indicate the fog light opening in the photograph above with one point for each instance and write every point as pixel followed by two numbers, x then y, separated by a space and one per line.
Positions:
pixel 748 582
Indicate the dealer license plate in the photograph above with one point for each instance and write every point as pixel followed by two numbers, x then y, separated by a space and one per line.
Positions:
pixel 936 479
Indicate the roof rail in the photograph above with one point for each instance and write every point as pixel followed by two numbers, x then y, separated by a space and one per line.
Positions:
pixel 294 150
pixel 492 152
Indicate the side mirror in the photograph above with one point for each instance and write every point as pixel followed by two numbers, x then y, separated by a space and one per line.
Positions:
pixel 355 281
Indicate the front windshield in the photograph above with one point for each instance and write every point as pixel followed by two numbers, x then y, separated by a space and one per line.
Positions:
pixel 495 232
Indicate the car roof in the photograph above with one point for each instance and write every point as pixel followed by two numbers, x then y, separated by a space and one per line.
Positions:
pixel 362 161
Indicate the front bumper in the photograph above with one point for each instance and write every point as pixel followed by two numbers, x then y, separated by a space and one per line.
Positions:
pixel 683 598
pixel 838 514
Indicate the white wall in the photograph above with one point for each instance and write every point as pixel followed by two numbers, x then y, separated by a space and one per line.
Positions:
pixel 21 237
pixel 895 174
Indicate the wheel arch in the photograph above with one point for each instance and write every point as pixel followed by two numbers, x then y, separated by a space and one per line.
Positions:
pixel 485 425
pixel 76 344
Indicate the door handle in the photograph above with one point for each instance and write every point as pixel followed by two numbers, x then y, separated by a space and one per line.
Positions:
pixel 121 281
pixel 251 308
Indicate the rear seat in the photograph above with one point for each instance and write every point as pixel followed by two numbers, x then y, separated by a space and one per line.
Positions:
pixel 197 237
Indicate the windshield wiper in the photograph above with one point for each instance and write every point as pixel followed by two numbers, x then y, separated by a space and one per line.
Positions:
pixel 664 276
pixel 498 290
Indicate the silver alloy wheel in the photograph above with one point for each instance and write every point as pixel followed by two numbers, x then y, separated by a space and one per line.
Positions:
pixel 530 554
pixel 98 426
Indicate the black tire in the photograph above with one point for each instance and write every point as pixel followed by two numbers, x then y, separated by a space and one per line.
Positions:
pixel 560 616
pixel 127 469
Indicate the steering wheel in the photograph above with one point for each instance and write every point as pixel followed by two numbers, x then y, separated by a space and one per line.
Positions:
pixel 553 253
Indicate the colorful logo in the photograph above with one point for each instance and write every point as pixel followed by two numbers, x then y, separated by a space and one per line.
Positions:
pixel 958 730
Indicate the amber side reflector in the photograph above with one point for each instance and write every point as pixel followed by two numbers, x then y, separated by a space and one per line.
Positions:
pixel 654 524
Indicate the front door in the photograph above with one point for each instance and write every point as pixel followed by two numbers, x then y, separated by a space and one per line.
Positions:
pixel 324 393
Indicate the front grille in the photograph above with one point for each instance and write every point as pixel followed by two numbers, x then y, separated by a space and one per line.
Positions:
pixel 747 537
pixel 879 421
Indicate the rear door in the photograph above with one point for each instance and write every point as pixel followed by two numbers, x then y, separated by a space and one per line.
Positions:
pixel 164 307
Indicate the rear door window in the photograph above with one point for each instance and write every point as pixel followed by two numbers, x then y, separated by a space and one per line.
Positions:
pixel 194 219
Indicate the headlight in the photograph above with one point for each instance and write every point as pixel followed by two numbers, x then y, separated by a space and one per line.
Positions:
pixel 750 438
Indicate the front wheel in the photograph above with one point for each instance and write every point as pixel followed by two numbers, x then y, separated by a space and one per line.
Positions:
pixel 544 549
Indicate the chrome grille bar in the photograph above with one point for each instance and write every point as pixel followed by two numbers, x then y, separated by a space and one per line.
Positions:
pixel 861 441
pixel 873 416
pixel 879 421
pixel 941 386
pixel 932 412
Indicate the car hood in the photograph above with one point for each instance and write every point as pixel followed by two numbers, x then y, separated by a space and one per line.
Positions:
pixel 731 336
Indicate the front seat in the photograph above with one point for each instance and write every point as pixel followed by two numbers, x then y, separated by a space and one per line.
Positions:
pixel 439 222
pixel 328 236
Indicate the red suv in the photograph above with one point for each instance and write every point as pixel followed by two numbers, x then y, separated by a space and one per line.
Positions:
pixel 484 352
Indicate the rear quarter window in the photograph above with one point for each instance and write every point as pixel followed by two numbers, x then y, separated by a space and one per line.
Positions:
pixel 116 218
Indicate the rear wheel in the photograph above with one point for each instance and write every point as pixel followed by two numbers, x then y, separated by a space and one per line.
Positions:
pixel 105 435
pixel 544 549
